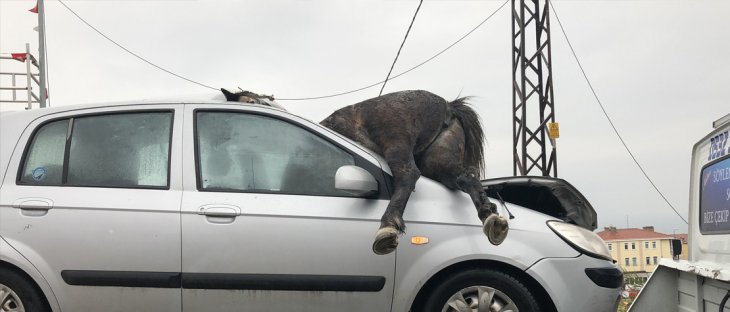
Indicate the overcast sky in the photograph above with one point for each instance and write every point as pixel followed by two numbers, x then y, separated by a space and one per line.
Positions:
pixel 660 68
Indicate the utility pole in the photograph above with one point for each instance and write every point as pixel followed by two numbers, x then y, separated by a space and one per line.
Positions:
pixel 42 53
pixel 533 123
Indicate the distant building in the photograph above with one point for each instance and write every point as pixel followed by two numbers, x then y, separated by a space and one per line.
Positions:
pixel 639 250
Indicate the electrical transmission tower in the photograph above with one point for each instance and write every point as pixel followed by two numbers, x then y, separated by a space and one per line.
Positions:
pixel 533 124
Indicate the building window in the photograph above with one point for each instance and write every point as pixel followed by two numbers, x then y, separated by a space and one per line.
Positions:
pixel 655 260
pixel 633 246
pixel 633 261
pixel 626 261
pixel 626 246
pixel 609 247
pixel 653 244
pixel 648 260
pixel 646 245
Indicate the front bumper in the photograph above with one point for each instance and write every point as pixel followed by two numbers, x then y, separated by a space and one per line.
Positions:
pixel 579 284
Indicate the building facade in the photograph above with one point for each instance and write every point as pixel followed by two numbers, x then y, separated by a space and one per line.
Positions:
pixel 638 250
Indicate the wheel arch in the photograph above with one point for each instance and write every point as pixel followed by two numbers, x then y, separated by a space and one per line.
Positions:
pixel 17 270
pixel 533 285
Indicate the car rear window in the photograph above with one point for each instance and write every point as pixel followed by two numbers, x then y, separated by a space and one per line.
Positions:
pixel 129 150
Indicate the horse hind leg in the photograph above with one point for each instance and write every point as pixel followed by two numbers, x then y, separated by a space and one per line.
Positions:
pixel 443 161
pixel 405 175
pixel 494 226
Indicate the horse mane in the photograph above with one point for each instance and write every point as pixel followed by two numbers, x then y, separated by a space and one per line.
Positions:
pixel 473 132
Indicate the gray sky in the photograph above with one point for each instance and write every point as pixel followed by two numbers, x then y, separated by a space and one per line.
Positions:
pixel 660 68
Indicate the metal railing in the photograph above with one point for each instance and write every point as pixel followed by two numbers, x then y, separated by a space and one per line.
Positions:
pixel 21 90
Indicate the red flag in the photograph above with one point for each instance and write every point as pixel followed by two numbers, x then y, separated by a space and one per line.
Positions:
pixel 35 8
pixel 19 56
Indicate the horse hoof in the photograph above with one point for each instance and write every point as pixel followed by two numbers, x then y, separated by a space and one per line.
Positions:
pixel 386 240
pixel 496 228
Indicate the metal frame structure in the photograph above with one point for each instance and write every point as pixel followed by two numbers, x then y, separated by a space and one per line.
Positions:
pixel 31 80
pixel 532 98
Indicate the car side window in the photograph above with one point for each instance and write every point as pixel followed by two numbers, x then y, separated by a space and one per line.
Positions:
pixel 253 153
pixel 44 159
pixel 117 150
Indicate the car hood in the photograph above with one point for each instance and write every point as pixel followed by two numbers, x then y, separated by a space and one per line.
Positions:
pixel 551 196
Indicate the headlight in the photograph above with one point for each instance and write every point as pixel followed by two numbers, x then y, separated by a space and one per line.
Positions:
pixel 581 239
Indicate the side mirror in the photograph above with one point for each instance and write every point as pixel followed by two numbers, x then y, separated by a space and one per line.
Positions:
pixel 356 181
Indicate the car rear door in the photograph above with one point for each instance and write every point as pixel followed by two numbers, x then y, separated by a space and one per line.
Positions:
pixel 263 228
pixel 92 200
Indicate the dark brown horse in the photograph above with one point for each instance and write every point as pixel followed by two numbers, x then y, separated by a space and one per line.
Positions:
pixel 419 133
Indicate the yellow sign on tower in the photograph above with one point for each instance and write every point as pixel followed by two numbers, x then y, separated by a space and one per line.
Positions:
pixel 553 130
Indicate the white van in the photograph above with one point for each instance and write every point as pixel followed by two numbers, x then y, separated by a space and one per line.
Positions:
pixel 702 283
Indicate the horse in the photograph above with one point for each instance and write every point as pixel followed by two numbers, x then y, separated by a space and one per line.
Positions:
pixel 419 133
pixel 249 97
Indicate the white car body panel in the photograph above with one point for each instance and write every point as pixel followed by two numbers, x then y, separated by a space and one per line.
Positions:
pixel 295 231
pixel 114 226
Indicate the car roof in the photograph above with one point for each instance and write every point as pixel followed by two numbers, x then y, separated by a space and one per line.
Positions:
pixel 65 108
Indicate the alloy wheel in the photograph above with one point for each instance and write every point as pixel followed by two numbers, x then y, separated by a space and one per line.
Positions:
pixel 9 300
pixel 479 299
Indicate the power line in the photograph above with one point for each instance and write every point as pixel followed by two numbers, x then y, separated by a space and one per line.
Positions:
pixel 401 47
pixel 294 98
pixel 595 95
pixel 132 53
pixel 406 71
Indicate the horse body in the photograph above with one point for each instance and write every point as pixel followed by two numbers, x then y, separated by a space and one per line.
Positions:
pixel 410 118
pixel 418 133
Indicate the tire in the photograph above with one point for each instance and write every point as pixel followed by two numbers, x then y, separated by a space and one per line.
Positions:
pixel 460 293
pixel 17 294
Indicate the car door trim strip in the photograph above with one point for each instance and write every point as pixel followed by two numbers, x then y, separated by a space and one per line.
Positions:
pixel 121 278
pixel 290 282
pixel 229 281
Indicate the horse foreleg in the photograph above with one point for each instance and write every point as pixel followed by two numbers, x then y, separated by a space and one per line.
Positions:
pixel 494 225
pixel 405 175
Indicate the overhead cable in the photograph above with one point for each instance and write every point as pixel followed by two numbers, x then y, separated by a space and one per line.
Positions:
pixel 404 72
pixel 292 98
pixel 595 95
pixel 401 47
pixel 132 53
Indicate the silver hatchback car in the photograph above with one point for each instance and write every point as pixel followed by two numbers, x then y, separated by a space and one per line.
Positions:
pixel 235 207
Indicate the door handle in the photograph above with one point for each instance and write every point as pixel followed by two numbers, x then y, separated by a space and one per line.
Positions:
pixel 218 210
pixel 33 206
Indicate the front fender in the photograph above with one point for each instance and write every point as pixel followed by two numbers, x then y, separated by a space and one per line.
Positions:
pixel 452 244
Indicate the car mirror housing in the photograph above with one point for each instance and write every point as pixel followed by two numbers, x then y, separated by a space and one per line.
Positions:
pixel 356 181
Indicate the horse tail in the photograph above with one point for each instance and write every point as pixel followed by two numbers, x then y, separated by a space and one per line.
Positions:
pixel 470 122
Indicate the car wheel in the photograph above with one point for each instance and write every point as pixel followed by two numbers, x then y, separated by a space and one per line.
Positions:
pixel 18 295
pixel 481 290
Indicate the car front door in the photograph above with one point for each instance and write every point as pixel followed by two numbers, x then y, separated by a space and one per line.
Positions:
pixel 91 202
pixel 263 227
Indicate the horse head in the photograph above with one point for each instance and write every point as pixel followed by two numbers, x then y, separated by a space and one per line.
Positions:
pixel 249 97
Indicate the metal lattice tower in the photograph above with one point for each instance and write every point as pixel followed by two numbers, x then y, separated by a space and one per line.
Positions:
pixel 532 99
